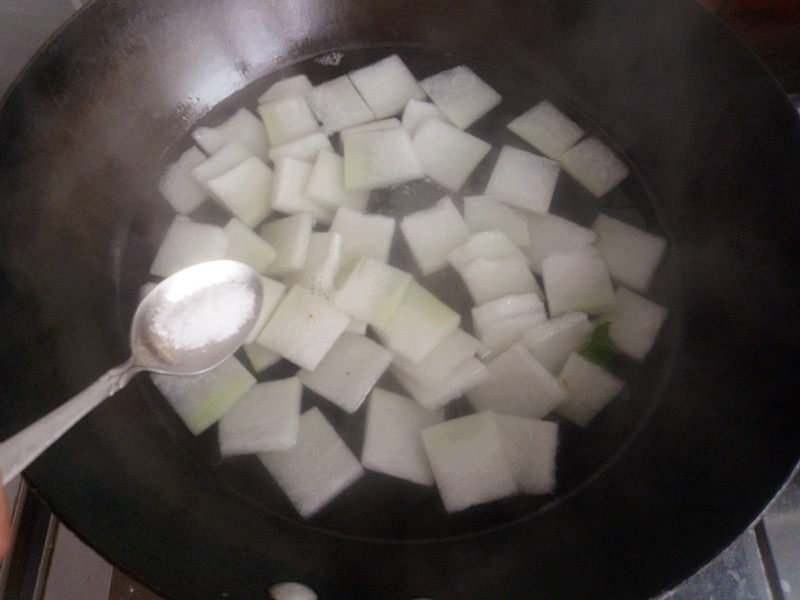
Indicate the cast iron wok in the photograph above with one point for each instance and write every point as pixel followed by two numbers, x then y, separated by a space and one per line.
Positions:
pixel 665 479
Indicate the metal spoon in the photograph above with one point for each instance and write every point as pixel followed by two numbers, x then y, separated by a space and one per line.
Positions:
pixel 151 350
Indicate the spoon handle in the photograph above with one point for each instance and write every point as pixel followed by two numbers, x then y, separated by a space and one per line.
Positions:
pixel 21 449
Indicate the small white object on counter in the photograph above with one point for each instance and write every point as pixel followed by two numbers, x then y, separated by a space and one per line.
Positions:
pixel 375 159
pixel 289 237
pixel 305 148
pixel 632 254
pixel 432 233
pixel 245 191
pixel 484 213
pixel 363 235
pixel 635 323
pixel 550 234
pixel 297 85
pixel 179 187
pixel 187 243
pixel 326 184
pixel 337 104
pixel 246 246
pixel 417 111
pixel 372 292
pixel 243 127
pixel 287 119
pixel 461 95
pixel 589 388
pixel 594 166
pixel 553 341
pixel 530 446
pixel 577 282
pixel 523 179
pixel 464 376
pixel 386 86
pixel 547 129
pixel 447 154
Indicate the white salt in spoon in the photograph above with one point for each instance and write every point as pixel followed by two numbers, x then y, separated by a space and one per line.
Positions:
pixel 187 324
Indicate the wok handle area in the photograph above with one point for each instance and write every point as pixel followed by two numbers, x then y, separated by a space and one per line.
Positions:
pixel 21 449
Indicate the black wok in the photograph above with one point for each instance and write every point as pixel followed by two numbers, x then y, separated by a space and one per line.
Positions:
pixel 658 485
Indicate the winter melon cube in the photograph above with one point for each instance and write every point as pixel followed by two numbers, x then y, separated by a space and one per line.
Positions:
pixel 432 233
pixel 393 437
pixel 322 262
pixel 577 282
pixel 306 148
pixel 290 237
pixel 288 119
pixel 326 184
pixel 243 127
pixel 440 362
pixel 484 244
pixel 372 292
pixel 265 418
pixel 468 461
pixel 461 378
pixel 553 341
pixel 635 323
pixel 374 159
pixel 179 187
pixel 506 307
pixel 482 213
pixel 297 85
pixel 523 179
pixel 245 190
pixel 381 125
pixel 417 111
pixel 288 189
pixel 589 388
pixel 348 372
pixel 551 234
pixel 201 400
pixel 491 278
pixel 547 129
pixel 271 293
pixel 338 105
pixel 303 328
pixel 530 446
pixel 260 358
pixel 594 166
pixel 187 243
pixel 363 235
pixel 632 254
pixel 447 154
pixel 219 163
pixel 500 335
pixel 357 326
pixel 317 468
pixel 386 86
pixel 461 95
pixel 246 246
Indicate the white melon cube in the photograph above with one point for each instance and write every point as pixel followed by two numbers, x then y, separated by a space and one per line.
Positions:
pixel 357 326
pixel 393 437
pixel 265 418
pixel 187 243
pixel 219 163
pixel 381 125
pixel 290 237
pixel 461 95
pixel 468 461
pixel 632 254
pixel 417 111
pixel 288 119
pixel 179 187
pixel 348 372
pixel 518 385
pixel 447 154
pixel 338 105
pixel 303 328
pixel 484 244
pixel 505 308
pixel 635 323
pixel 317 468
pixel 440 362
pixel 577 282
pixel 291 590
pixel 288 189
pixel 297 85
pixel 260 358
pixel 246 246
pixel 551 234
pixel 322 262
pixel 589 388
pixel 530 446
pixel 432 233
pixel 463 377
pixel 372 292
pixel 386 86
pixel 523 179
pixel 594 166
pixel 363 235
pixel 491 278
pixel 201 400
pixel 553 341
pixel 326 184
pixel 482 213
pixel 271 293
pixel 375 159
pixel 243 127
pixel 500 335
pixel 419 324
pixel 547 129
pixel 306 148
pixel 245 191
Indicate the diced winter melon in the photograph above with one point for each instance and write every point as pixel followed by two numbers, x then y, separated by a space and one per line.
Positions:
pixel 386 86
pixel 594 166
pixel 523 179
pixel 317 468
pixel 552 342
pixel 303 328
pixel 363 235
pixel 500 335
pixel 260 358
pixel 290 590
pixel 530 446
pixel 288 119
pixel 461 95
pixel 447 154
pixel 272 292
pixel 439 362
pixel 632 254
pixel 468 461
pixel 589 388
pixel 577 282
pixel 484 244
pixel 491 278
pixel 635 323
pixel 245 190
pixel 290 237
pixel 243 127
pixel 482 213
pixel 461 378
pixel 306 148
pixel 393 437
pixel 551 234
pixel 349 371
pixel 372 292
pixel 201 400
pixel 297 85
pixel 265 418
pixel 518 385
pixel 374 159
pixel 357 326
pixel 246 246
pixel 419 324
pixel 288 189
pixel 547 129
pixel 179 187
pixel 417 111
pixel 432 233
pixel 187 243
pixel 326 184
pixel 322 262
pixel 505 308
pixel 338 105
pixel 381 125
pixel 219 163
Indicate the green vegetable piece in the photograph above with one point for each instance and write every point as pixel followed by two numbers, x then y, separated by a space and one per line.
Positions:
pixel 600 349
